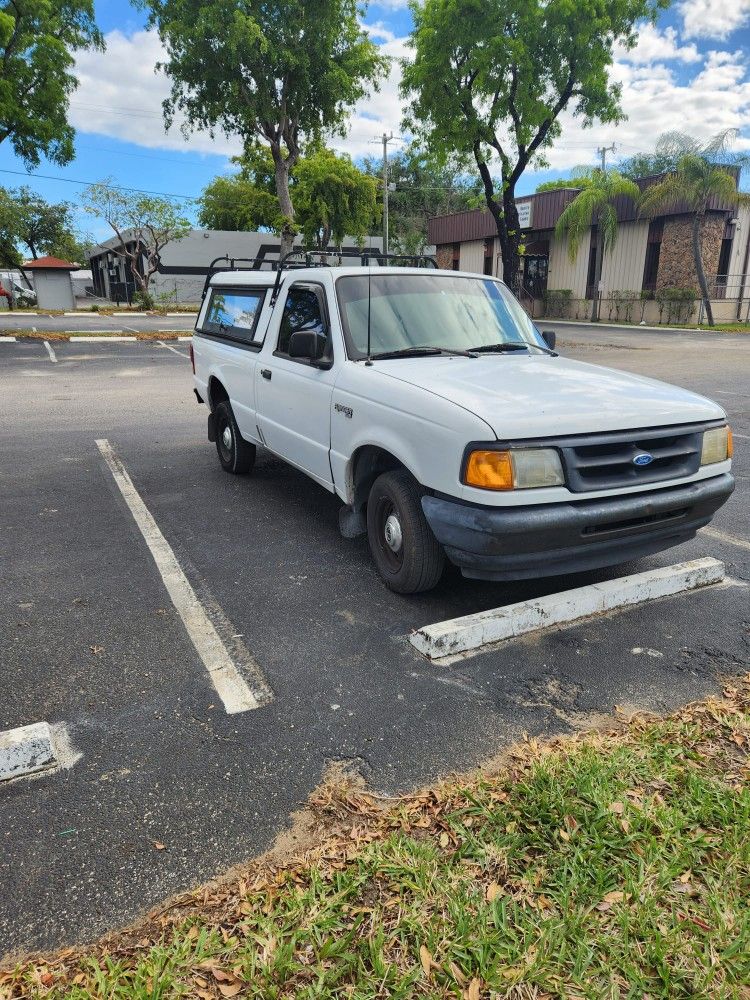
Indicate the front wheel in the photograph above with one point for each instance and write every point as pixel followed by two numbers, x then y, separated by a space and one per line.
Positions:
pixel 406 553
pixel 235 454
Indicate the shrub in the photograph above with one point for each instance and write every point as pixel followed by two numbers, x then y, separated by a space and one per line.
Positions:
pixel 557 302
pixel 621 303
pixel 677 302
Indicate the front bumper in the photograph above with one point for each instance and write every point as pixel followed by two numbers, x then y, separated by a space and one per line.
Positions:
pixel 516 543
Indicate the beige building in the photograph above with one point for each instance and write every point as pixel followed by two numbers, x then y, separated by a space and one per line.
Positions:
pixel 652 258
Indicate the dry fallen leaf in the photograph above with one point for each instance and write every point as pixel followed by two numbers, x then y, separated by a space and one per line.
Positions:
pixel 493 891
pixel 457 974
pixel 426 959
pixel 444 839
pixel 617 808
pixel 230 990
pixel 473 991
pixel 564 835
pixel 159 846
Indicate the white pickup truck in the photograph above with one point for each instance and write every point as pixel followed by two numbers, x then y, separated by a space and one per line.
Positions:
pixel 431 405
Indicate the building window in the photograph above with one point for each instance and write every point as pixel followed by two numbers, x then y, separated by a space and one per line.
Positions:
pixel 456 262
pixel 591 276
pixel 651 267
pixel 489 246
pixel 653 254
pixel 725 256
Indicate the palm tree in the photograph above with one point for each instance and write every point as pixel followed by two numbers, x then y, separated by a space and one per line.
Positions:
pixel 701 176
pixel 595 205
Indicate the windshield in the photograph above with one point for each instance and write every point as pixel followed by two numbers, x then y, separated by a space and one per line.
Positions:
pixel 430 311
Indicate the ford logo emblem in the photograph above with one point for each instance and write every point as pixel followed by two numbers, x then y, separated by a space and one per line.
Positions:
pixel 644 459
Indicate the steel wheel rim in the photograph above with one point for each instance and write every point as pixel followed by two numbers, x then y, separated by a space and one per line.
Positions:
pixel 225 448
pixel 388 526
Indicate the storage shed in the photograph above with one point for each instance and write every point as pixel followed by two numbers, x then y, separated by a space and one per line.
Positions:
pixel 52 282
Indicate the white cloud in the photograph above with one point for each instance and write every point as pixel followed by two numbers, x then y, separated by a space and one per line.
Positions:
pixel 654 45
pixel 654 98
pixel 120 95
pixel 713 18
pixel 716 98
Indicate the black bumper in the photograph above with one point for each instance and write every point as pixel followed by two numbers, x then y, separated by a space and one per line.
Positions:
pixel 516 543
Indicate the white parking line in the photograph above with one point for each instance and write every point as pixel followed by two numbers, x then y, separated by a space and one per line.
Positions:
pixel 52 355
pixel 745 437
pixel 173 350
pixel 7 340
pixel 724 536
pixel 471 633
pixel 230 686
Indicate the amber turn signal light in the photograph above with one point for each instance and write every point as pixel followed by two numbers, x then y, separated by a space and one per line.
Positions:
pixel 489 470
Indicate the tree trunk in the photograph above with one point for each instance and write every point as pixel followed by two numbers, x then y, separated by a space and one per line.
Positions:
pixel 510 241
pixel 597 275
pixel 285 202
pixel 506 217
pixel 700 271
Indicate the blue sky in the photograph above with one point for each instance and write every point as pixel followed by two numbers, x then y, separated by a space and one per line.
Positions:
pixel 691 72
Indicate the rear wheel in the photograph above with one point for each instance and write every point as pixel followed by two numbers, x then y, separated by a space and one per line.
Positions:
pixel 406 553
pixel 235 454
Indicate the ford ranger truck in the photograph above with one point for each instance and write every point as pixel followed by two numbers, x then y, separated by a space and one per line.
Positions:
pixel 429 402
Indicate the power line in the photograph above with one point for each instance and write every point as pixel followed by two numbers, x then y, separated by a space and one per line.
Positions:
pixel 116 187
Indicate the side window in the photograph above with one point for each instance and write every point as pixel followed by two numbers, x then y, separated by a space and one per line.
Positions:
pixel 301 312
pixel 234 314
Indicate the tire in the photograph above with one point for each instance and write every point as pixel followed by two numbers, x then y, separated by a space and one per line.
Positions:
pixel 405 551
pixel 235 454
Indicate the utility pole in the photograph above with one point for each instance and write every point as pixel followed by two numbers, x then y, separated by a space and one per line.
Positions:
pixel 602 153
pixel 385 138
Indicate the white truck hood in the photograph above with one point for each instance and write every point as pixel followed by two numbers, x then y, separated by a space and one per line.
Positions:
pixel 541 396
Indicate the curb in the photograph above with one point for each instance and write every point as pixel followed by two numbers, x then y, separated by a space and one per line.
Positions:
pixel 26 750
pixel 476 631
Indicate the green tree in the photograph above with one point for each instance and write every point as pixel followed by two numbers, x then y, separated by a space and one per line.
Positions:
pixel 334 199
pixel 646 165
pixel 490 79
pixel 580 178
pixel 424 188
pixel 9 255
pixel 40 227
pixel 37 42
pixel 281 72
pixel 143 225
pixel 244 201
pixel 700 176
pixel 595 205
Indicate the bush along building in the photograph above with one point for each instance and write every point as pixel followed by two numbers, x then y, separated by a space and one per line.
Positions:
pixel 648 276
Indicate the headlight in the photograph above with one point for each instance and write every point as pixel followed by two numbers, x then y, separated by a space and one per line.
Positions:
pixel 519 469
pixel 717 445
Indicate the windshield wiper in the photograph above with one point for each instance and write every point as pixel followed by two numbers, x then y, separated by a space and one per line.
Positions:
pixel 512 346
pixel 421 352
pixel 499 348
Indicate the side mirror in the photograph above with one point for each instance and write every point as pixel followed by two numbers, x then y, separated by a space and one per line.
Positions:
pixel 306 344
pixel 550 338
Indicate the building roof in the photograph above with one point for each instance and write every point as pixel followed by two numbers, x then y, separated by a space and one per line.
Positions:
pixel 546 209
pixel 50 264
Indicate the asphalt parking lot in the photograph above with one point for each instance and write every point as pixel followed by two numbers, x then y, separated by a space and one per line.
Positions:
pixel 91 641
pixel 94 323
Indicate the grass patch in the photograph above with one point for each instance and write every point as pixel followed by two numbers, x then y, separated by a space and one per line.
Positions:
pixel 608 865
pixel 75 334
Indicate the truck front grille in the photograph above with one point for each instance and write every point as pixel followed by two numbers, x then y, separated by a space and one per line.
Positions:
pixel 606 461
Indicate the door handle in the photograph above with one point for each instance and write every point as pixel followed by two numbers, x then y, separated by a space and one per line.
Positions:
pixel 266 373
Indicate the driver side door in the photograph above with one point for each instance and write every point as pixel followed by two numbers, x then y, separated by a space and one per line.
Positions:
pixel 293 395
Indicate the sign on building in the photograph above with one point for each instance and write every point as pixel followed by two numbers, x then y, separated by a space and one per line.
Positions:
pixel 524 214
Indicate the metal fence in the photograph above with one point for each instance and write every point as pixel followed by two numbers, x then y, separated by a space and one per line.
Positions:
pixel 729 295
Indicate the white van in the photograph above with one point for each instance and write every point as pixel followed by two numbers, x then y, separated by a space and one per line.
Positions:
pixel 450 428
